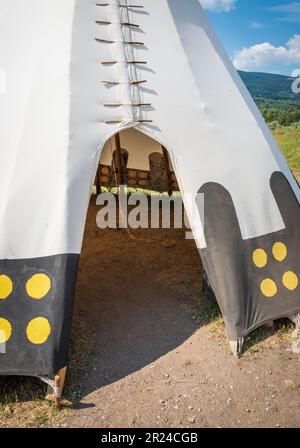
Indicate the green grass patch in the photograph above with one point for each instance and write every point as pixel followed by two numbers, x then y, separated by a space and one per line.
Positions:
pixel 288 139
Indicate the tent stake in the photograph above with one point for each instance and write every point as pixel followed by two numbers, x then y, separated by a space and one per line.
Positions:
pixel 56 394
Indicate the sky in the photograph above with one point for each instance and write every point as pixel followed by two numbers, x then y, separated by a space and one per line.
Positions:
pixel 259 35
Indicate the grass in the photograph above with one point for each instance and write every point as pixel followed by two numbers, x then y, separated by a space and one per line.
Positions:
pixel 288 140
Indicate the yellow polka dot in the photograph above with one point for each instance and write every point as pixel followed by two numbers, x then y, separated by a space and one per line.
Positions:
pixel 6 287
pixel 5 330
pixel 260 258
pixel 268 287
pixel 38 286
pixel 290 280
pixel 279 251
pixel 38 330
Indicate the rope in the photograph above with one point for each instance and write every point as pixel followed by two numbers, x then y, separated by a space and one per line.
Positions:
pixel 166 244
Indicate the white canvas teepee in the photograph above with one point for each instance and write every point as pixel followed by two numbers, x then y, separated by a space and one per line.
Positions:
pixel 79 71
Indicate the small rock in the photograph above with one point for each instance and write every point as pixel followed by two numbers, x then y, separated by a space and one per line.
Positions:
pixel 290 384
pixel 192 419
pixel 296 341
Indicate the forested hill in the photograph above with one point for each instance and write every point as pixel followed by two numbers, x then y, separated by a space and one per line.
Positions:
pixel 270 86
pixel 274 96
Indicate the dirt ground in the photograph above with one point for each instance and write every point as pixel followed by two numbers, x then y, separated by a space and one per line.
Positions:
pixel 149 350
pixel 159 357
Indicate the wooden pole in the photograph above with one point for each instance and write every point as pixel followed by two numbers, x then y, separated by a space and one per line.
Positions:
pixel 168 170
pixel 119 158
pixel 98 180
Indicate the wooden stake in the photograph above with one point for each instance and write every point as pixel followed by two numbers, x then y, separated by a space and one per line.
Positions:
pixel 168 170
pixel 119 158
pixel 98 181
pixel 59 381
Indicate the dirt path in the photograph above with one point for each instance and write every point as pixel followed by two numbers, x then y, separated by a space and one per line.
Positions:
pixel 156 361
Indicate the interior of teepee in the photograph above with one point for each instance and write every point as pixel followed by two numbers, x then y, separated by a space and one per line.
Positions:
pixel 132 158
pixel 139 296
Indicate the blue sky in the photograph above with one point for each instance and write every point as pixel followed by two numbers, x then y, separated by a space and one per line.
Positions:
pixel 259 35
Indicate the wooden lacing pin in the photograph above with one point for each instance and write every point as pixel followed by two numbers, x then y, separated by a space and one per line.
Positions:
pixel 106 22
pixel 105 41
pixel 102 4
pixel 113 104
pixel 114 83
pixel 102 22
pixel 133 25
pixel 126 62
pixel 131 6
pixel 133 43
pixel 122 121
pixel 117 83
pixel 114 121
pixel 123 104
pixel 137 82
pixel 109 62
pixel 136 62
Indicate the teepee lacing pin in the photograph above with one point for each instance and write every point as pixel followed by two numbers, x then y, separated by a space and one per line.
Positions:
pixel 105 22
pixel 123 121
pixel 137 103
pixel 129 104
pixel 106 41
pixel 117 83
pixel 120 5
pixel 125 62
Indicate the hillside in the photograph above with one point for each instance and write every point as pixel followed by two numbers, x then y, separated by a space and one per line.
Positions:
pixel 274 96
pixel 271 87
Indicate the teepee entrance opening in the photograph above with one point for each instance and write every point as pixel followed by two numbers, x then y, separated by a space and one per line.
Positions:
pixel 140 298
pixel 131 158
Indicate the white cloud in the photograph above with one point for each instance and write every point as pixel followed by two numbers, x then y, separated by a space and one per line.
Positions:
pixel 255 25
pixel 290 11
pixel 218 5
pixel 265 55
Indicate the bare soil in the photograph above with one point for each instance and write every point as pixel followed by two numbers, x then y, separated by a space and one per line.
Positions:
pixel 160 358
pixel 148 350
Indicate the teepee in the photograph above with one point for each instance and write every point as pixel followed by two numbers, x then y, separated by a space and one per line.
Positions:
pixel 77 72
